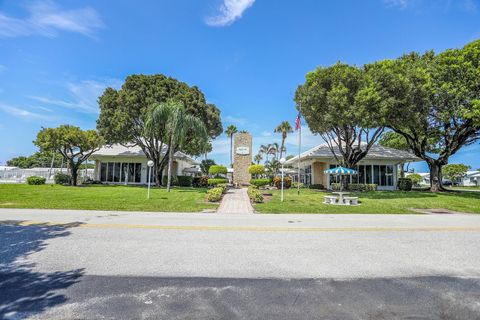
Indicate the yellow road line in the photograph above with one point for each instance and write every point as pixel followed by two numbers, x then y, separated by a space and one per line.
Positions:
pixel 241 228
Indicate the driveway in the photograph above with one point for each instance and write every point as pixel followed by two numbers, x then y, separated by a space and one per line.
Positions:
pixel 117 265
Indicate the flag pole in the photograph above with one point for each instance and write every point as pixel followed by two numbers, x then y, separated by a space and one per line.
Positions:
pixel 299 146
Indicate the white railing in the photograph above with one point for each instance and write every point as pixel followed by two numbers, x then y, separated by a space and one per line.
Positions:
pixel 20 175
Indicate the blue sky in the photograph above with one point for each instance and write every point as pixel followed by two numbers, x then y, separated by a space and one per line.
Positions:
pixel 247 56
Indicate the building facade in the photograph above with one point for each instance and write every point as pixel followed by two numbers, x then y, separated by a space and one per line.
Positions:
pixel 117 164
pixel 379 167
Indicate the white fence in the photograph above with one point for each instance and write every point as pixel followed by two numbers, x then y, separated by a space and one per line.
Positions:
pixel 18 175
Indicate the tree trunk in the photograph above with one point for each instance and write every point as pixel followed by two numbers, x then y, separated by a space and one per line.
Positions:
pixel 74 173
pixel 170 161
pixel 402 170
pixel 435 176
pixel 231 147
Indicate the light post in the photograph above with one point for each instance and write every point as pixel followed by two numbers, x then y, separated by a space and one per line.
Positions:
pixel 150 165
pixel 282 161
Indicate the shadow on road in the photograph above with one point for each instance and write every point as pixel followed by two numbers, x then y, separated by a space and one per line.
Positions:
pixel 23 291
pixel 434 297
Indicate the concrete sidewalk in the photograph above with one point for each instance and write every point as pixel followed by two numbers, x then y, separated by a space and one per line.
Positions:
pixel 235 201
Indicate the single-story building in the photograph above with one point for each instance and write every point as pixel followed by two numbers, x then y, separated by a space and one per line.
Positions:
pixel 472 178
pixel 380 166
pixel 119 164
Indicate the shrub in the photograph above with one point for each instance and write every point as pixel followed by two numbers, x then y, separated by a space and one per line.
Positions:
pixel 371 187
pixel 34 180
pixel 256 169
pixel 295 185
pixel 62 178
pixel 287 182
pixel 317 186
pixel 335 186
pixel 404 184
pixel 224 187
pixel 173 181
pixel 416 178
pixel 185 181
pixel 200 182
pixel 357 187
pixel 260 182
pixel 214 194
pixel 215 181
pixel 255 195
pixel 216 169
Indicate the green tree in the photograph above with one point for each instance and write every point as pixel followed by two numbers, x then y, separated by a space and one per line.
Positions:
pixel 123 114
pixel 284 128
pixel 170 122
pixel 339 105
pixel 231 130
pixel 455 172
pixel 416 178
pixel 74 144
pixel 258 157
pixel 433 101
pixel 205 165
pixel 38 159
pixel 391 139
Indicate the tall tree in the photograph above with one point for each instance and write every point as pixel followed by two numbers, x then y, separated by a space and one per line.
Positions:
pixel 263 150
pixel 171 122
pixel 231 130
pixel 205 166
pixel 455 172
pixel 274 149
pixel 391 139
pixel 338 105
pixel 284 128
pixel 257 158
pixel 123 114
pixel 433 101
pixel 38 159
pixel 74 144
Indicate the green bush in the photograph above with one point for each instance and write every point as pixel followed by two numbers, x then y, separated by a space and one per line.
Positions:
pixel 214 194
pixel 404 184
pixel 260 182
pixel 357 187
pixel 185 181
pixel 215 181
pixel 217 169
pixel 256 169
pixel 416 178
pixel 335 186
pixel 287 182
pixel 224 187
pixel 255 195
pixel 173 181
pixel 200 182
pixel 34 180
pixel 295 185
pixel 62 178
pixel 317 186
pixel 371 187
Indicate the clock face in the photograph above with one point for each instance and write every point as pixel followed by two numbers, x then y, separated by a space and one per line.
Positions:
pixel 242 150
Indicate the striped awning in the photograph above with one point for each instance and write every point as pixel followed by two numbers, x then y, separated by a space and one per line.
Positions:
pixel 341 170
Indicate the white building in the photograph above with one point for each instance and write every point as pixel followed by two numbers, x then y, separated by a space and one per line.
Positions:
pixel 117 164
pixel 380 166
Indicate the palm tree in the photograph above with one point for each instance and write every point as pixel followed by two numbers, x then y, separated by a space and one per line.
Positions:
pixel 231 130
pixel 267 150
pixel 171 119
pixel 263 150
pixel 258 158
pixel 284 128
pixel 274 149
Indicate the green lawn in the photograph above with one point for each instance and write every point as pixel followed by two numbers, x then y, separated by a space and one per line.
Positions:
pixel 100 197
pixel 391 202
pixel 464 188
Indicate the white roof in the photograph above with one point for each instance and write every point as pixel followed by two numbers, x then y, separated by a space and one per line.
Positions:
pixel 4 168
pixel 118 150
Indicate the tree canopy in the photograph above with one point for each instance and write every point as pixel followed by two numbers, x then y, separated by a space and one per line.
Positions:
pixel 454 172
pixel 74 144
pixel 38 159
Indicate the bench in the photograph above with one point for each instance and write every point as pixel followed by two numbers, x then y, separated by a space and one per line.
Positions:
pixel 330 200
pixel 350 201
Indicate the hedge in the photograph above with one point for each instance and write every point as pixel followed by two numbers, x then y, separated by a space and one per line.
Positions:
pixel 255 195
pixel 185 181
pixel 200 182
pixel 405 184
pixel 317 186
pixel 173 181
pixel 224 187
pixel 214 194
pixel 217 169
pixel 287 182
pixel 215 181
pixel 256 169
pixel 260 182
pixel 62 178
pixel 356 187
pixel 34 180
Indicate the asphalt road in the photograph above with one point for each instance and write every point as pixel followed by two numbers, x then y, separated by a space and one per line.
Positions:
pixel 116 265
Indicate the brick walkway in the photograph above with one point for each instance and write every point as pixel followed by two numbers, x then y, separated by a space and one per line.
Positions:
pixel 235 201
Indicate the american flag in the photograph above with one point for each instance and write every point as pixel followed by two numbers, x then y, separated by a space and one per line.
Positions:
pixel 298 122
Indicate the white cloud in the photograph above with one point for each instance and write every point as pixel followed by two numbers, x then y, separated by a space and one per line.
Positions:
pixel 83 94
pixel 235 120
pixel 228 12
pixel 402 4
pixel 21 113
pixel 47 19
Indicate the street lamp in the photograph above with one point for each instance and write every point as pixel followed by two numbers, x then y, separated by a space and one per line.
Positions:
pixel 282 162
pixel 150 165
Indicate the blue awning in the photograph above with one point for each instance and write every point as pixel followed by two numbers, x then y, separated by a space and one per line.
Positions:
pixel 341 170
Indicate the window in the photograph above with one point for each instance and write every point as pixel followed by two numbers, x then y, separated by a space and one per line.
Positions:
pixel 368 174
pixel 119 172
pixel 389 175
